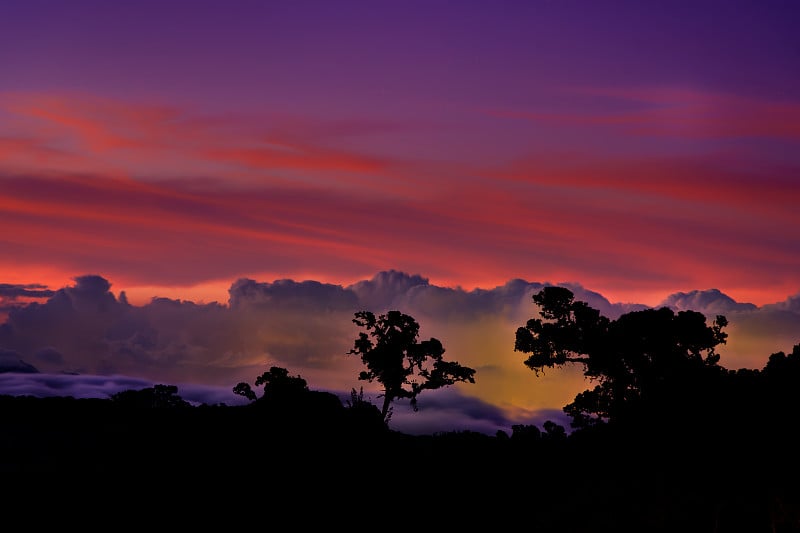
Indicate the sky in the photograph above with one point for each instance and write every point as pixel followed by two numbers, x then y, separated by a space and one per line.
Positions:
pixel 191 191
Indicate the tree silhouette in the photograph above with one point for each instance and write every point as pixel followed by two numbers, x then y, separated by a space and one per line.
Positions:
pixel 243 389
pixel 779 385
pixel 158 396
pixel 784 369
pixel 636 360
pixel 288 404
pixel 395 359
pixel 277 383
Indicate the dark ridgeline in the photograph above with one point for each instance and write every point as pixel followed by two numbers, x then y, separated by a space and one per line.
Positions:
pixel 667 440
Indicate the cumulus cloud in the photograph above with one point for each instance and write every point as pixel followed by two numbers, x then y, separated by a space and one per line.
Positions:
pixel 512 300
pixel 386 289
pixel 288 293
pixel 85 340
pixel 709 302
pixel 14 295
pixel 753 332
pixel 790 304
pixel 601 303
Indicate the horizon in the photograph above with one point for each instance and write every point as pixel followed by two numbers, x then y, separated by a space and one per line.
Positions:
pixel 220 289
pixel 206 348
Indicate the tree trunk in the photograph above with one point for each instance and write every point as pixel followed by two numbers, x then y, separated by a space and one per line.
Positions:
pixel 387 401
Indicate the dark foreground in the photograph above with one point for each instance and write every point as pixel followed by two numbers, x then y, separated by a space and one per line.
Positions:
pixel 310 464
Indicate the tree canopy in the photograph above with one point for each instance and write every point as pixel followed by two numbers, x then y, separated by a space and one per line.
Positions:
pixel 277 383
pixel 158 396
pixel 404 366
pixel 639 357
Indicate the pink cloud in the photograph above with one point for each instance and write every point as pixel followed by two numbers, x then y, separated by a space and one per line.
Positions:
pixel 88 134
pixel 142 208
pixel 477 234
pixel 724 180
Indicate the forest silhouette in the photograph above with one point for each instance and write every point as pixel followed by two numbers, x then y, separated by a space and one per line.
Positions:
pixel 666 440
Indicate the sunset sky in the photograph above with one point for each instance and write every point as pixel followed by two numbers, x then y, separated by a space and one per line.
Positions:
pixel 250 173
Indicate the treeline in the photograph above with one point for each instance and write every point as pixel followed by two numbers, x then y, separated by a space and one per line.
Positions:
pixel 667 439
pixel 307 447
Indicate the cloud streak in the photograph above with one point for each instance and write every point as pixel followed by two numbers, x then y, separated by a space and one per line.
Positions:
pixel 92 135
pixel 97 184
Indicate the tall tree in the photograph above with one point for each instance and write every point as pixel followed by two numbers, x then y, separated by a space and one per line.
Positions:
pixel 404 366
pixel 640 358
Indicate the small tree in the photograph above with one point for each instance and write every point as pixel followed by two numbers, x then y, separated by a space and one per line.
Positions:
pixel 277 383
pixel 287 400
pixel 243 389
pixel 395 359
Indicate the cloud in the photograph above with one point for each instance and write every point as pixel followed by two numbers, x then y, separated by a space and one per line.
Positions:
pixel 87 333
pixel 709 302
pixel 10 361
pixel 791 305
pixel 451 410
pixel 753 332
pixel 601 303
pixel 143 193
pixel 512 300
pixel 384 288
pixel 89 134
pixel 683 220
pixel 31 290
pixel 695 214
pixel 49 356
pixel 289 294
pixel 18 294
pixel 97 386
